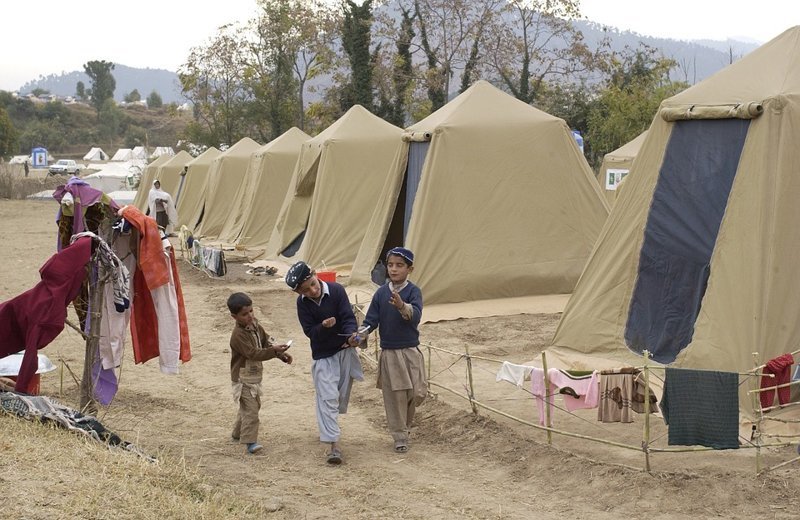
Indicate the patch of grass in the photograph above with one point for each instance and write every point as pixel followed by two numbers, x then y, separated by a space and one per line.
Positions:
pixel 14 186
pixel 48 472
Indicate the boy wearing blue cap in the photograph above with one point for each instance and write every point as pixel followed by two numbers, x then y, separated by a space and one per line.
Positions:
pixel 396 310
pixel 327 318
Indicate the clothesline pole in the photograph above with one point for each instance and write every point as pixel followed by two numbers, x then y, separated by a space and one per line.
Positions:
pixel 760 411
pixel 553 430
pixel 469 377
pixel 773 388
pixel 429 363
pixel 96 285
pixel 498 361
pixel 547 422
pixel 759 367
pixel 646 440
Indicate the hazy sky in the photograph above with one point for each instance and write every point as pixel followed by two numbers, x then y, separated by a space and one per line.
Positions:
pixel 54 36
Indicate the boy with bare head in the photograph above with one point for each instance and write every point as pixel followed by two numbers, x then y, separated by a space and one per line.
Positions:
pixel 250 346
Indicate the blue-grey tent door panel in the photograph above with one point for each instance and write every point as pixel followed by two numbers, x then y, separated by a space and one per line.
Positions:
pixel 417 151
pixel 689 201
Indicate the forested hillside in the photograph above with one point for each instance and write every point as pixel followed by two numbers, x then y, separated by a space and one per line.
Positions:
pixel 306 62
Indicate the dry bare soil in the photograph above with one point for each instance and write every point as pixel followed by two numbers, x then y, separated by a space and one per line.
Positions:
pixel 461 465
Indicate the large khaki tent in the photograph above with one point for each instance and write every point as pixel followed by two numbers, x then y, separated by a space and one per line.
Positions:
pixel 616 166
pixel 496 201
pixel 169 174
pixel 334 189
pixel 146 182
pixel 192 185
pixel 224 177
pixel 261 195
pixel 697 263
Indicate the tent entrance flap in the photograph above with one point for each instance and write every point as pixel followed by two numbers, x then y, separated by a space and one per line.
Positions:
pixel 686 211
pixel 417 151
pixel 398 227
pixel 294 245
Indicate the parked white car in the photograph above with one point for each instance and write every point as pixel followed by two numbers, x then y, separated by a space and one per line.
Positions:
pixel 64 167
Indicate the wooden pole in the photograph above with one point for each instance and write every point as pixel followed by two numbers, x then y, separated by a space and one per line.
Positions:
pixel 547 421
pixel 540 427
pixel 646 439
pixel 757 409
pixel 98 279
pixel 469 376
pixel 429 362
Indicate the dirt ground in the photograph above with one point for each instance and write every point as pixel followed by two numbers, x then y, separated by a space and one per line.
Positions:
pixel 461 465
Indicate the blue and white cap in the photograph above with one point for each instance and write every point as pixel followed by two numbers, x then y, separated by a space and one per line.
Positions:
pixel 406 254
pixel 297 274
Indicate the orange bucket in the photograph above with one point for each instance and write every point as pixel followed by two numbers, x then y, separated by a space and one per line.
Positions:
pixel 327 276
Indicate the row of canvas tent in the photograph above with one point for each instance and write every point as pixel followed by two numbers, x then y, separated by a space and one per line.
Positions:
pixel 493 195
pixel 696 263
pixel 128 154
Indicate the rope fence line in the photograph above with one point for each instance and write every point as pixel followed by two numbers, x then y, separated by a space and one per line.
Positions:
pixel 646 446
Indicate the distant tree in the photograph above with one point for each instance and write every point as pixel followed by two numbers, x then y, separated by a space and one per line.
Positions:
pixel 8 135
pixel 393 70
pixel 39 91
pixel 296 35
pixel 42 133
pixel 80 91
pixel 403 74
pixel 452 34
pixel 572 102
pixel 154 100
pixel 133 96
pixel 135 136
pixel 212 79
pixel 54 112
pixel 103 82
pixel 638 80
pixel 268 69
pixel 538 45
pixel 110 119
pixel 356 38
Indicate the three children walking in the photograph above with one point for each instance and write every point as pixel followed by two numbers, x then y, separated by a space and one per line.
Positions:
pixel 327 319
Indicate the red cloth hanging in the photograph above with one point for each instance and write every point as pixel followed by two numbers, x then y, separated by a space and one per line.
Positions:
pixel 36 317
pixel 153 268
pixel 780 367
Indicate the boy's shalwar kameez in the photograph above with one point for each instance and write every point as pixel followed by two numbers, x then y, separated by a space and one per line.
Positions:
pixel 250 346
pixel 334 367
pixel 401 370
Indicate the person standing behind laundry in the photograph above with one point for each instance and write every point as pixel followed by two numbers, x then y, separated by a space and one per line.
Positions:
pixel 396 310
pixel 327 318
pixel 250 346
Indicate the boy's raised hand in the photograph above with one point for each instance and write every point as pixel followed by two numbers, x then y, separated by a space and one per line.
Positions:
pixel 396 300
pixel 329 322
